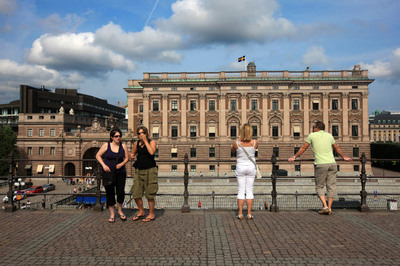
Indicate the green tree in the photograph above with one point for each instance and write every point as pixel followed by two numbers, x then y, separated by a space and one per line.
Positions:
pixel 8 141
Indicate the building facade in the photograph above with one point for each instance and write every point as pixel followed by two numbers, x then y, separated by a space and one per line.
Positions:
pixel 385 127
pixel 9 114
pixel 200 114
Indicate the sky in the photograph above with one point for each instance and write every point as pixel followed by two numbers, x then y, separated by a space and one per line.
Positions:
pixel 96 46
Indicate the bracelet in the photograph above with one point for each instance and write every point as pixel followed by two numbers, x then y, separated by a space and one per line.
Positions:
pixel 294 157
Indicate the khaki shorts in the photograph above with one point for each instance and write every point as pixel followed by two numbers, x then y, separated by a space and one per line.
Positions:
pixel 325 175
pixel 145 182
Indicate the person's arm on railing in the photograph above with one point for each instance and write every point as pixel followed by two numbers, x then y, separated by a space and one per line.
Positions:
pixel 339 151
pixel 300 152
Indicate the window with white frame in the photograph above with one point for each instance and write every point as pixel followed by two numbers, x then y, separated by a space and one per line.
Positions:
pixel 174 105
pixel 41 132
pixel 233 106
pixel 156 105
pixel 296 104
pixel 193 105
pixel 211 131
pixel 29 133
pixel 155 132
pixel 52 151
pixel 174 131
pixel 254 104
pixel 41 151
pixel 275 105
pixel 211 105
pixel 193 131
pixel 174 152
pixel 52 132
pixel 29 151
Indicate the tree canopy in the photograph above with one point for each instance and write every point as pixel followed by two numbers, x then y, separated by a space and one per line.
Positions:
pixel 8 141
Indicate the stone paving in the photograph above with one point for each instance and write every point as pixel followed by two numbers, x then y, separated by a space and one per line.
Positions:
pixel 201 237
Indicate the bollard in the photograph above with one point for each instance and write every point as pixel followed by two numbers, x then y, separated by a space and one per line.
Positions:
pixel 186 207
pixel 98 206
pixel 274 206
pixel 363 177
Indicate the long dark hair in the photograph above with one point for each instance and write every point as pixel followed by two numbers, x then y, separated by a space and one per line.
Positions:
pixel 112 133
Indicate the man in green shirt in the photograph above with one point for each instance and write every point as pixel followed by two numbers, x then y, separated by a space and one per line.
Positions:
pixel 325 165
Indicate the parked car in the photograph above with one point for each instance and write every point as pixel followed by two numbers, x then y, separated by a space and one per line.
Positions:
pixel 35 189
pixel 48 187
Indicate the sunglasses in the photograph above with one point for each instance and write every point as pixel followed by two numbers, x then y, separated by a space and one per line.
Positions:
pixel 140 133
pixel 116 136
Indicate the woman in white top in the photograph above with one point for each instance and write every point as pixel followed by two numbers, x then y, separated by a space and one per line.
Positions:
pixel 245 169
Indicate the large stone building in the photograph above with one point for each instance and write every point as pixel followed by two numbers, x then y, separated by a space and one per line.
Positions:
pixel 61 128
pixel 385 127
pixel 200 114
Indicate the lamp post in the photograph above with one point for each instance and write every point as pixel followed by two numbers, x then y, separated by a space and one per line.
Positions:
pixel 48 173
pixel 19 183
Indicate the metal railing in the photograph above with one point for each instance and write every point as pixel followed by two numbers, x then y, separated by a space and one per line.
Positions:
pixel 212 201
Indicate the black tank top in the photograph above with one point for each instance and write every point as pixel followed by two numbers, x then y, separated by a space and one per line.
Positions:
pixel 144 159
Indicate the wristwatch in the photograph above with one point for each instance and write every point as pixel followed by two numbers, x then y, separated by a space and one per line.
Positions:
pixel 294 157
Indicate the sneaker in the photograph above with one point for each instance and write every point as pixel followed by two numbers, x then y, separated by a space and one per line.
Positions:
pixel 324 211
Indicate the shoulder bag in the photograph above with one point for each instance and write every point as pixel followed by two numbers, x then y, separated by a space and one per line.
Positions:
pixel 258 172
pixel 109 178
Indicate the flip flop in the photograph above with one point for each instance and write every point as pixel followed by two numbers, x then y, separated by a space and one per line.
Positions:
pixel 122 217
pixel 146 220
pixel 111 220
pixel 137 217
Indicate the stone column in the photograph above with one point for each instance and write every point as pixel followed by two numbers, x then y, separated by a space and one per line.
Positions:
pixel 165 113
pixel 365 119
pixel 184 110
pixel 306 112
pixel 345 123
pixel 264 127
pixel 244 108
pixel 286 118
pixel 202 110
pixel 222 118
pixel 325 110
pixel 146 110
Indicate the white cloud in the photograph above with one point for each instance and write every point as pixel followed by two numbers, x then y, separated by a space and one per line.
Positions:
pixel 77 52
pixel 315 55
pixel 13 74
pixel 227 21
pixel 8 7
pixel 388 69
pixel 147 44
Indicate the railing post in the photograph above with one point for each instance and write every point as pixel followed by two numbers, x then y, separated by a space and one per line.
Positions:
pixel 213 199
pixel 98 206
pixel 274 206
pixel 10 194
pixel 363 177
pixel 186 207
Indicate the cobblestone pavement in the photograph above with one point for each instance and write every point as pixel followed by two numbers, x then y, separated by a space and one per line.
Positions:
pixel 84 237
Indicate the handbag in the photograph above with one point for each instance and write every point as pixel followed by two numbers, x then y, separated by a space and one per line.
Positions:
pixel 109 178
pixel 258 172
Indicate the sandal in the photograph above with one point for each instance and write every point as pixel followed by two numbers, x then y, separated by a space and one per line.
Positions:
pixel 122 217
pixel 249 216
pixel 111 220
pixel 137 217
pixel 147 219
pixel 240 216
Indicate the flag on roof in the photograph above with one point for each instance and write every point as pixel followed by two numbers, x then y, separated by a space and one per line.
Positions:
pixel 243 58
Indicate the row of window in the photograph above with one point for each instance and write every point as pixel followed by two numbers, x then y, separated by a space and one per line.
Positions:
pixel 233 130
pixel 275 150
pixel 41 151
pixel 389 121
pixel 211 168
pixel 335 87
pixel 41 132
pixel 253 105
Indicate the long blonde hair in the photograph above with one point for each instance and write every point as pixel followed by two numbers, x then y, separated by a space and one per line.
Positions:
pixel 246 132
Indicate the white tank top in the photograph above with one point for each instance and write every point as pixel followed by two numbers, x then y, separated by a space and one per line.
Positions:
pixel 241 155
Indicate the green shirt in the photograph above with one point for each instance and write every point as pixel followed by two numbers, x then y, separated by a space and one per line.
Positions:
pixel 321 143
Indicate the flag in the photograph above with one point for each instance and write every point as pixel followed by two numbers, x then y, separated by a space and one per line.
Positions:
pixel 243 58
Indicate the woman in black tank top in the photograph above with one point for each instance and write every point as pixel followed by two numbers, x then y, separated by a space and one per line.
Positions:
pixel 146 174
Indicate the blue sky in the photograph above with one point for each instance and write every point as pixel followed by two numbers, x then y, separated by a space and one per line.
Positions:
pixel 96 46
